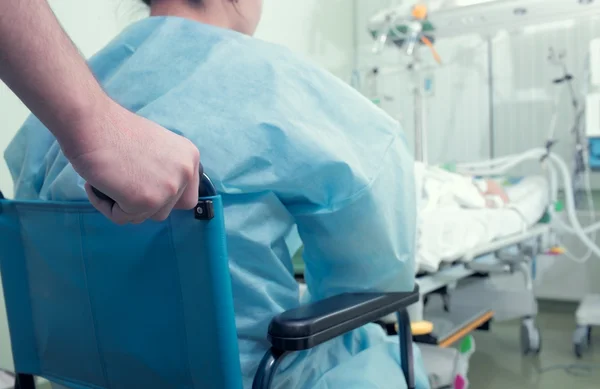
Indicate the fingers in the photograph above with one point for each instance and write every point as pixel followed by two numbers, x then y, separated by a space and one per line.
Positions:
pixel 186 198
pixel 111 210
pixel 189 198
pixel 104 207
pixel 115 213
pixel 165 211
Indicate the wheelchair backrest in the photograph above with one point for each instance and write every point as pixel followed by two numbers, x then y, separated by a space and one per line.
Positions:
pixel 94 305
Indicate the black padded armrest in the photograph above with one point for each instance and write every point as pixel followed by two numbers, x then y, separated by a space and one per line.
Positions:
pixel 310 325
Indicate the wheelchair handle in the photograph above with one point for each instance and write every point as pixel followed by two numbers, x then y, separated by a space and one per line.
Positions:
pixel 205 189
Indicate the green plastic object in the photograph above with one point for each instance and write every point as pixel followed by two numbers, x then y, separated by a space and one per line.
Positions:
pixel 546 219
pixel 559 206
pixel 450 166
pixel 298 262
pixel 466 346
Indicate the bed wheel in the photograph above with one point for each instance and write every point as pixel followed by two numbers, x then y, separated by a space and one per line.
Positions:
pixel 578 350
pixel 582 338
pixel 531 340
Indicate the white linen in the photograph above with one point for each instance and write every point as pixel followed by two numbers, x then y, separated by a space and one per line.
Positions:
pixel 453 217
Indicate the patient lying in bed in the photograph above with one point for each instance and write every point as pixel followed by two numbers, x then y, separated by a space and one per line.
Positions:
pixel 459 213
pixel 441 188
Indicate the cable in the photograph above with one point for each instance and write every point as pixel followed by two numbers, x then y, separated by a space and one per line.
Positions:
pixel 573 369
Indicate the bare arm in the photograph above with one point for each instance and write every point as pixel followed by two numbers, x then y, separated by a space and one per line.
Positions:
pixel 41 65
pixel 147 170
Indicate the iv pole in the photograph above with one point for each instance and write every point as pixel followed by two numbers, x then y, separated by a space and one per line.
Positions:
pixel 420 121
pixel 411 39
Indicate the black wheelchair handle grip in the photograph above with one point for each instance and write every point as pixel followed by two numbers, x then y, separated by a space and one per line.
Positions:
pixel 206 189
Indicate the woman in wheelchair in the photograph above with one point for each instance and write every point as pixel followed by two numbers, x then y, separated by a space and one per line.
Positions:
pixel 288 146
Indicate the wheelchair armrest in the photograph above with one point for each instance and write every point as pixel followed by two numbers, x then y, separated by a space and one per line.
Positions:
pixel 311 325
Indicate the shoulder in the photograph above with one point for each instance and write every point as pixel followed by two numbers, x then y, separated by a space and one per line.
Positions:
pixel 262 116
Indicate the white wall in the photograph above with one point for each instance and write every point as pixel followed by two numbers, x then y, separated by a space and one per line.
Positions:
pixel 319 29
pixel 524 106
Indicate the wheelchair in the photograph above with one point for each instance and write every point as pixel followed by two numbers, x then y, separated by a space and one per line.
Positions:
pixel 94 305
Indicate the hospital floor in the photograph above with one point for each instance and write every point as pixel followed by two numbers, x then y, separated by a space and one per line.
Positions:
pixel 498 364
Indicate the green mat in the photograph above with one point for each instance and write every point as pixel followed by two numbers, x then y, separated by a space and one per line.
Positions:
pixel 298 262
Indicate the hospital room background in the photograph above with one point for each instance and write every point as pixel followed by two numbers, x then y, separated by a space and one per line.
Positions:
pixel 496 91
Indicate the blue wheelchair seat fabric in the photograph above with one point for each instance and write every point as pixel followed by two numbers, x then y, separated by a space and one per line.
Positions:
pixel 95 305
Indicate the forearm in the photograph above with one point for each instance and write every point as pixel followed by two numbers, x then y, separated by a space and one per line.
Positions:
pixel 44 69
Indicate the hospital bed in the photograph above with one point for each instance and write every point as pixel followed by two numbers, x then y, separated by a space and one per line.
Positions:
pixel 469 299
pixel 460 251
pixel 449 232
pixel 456 243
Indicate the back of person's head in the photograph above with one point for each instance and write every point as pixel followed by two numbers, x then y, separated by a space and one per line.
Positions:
pixel 239 15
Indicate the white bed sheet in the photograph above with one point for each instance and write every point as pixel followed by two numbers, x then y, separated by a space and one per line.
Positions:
pixel 449 232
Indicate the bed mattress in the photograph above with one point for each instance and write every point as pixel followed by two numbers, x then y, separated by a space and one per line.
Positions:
pixel 448 233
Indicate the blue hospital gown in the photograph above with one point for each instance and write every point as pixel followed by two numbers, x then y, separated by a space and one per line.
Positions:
pixel 288 146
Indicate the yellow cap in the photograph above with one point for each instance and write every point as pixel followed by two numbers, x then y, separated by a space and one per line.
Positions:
pixel 420 328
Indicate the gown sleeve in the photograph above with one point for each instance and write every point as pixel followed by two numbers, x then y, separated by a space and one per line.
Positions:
pixel 367 241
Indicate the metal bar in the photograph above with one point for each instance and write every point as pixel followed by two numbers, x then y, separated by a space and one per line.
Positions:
pixel 492 140
pixel 406 349
pixel 24 381
pixel 267 369
pixel 434 281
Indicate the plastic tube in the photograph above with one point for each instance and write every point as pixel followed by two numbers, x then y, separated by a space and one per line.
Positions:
pixel 552 163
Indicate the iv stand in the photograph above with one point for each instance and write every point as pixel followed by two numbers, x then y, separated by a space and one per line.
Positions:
pixel 420 117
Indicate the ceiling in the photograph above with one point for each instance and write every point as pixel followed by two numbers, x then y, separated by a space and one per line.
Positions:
pixel 459 17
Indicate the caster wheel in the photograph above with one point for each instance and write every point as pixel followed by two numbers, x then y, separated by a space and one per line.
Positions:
pixel 531 341
pixel 581 340
pixel 578 349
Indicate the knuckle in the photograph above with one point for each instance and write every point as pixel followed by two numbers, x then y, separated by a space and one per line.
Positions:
pixel 195 153
pixel 148 199
pixel 171 189
pixel 188 172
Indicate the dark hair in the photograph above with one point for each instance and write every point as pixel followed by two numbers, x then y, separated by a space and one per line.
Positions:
pixel 198 2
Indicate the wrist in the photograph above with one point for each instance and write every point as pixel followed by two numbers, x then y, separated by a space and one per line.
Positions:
pixel 80 127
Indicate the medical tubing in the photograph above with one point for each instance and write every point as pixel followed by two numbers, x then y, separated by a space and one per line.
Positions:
pixel 509 162
pixel 514 161
pixel 557 221
pixel 504 163
pixel 570 203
